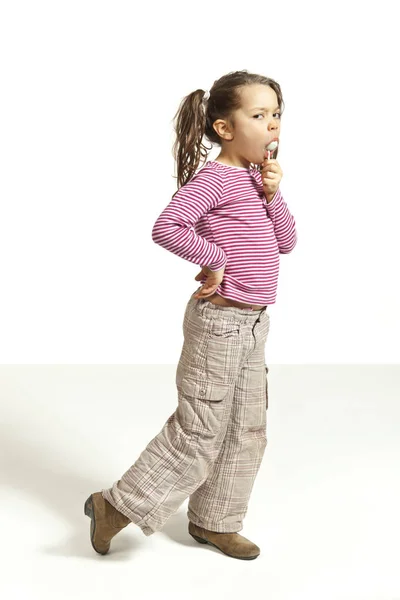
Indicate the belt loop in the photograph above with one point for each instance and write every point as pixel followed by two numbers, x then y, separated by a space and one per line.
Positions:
pixel 200 305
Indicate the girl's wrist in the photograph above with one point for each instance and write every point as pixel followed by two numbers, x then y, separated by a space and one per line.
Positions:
pixel 270 197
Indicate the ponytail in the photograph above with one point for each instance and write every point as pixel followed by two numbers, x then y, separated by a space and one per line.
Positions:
pixel 190 124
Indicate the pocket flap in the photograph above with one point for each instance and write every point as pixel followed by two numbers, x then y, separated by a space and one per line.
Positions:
pixel 205 389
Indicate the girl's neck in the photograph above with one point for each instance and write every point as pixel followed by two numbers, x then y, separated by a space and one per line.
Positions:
pixel 231 163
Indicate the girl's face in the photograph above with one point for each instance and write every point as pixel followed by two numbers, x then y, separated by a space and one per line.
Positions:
pixel 257 123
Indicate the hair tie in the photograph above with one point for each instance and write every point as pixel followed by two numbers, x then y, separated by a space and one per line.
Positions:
pixel 205 97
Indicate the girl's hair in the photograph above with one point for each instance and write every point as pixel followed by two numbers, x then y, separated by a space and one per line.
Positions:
pixel 193 120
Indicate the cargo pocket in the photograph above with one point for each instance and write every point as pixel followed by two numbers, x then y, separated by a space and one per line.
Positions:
pixel 201 406
pixel 266 386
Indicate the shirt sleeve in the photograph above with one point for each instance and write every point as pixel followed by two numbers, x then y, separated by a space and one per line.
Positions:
pixel 282 220
pixel 174 228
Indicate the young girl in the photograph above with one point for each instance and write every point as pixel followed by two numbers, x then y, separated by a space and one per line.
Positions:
pixel 230 218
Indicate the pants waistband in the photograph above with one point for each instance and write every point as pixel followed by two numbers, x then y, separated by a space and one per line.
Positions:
pixel 242 314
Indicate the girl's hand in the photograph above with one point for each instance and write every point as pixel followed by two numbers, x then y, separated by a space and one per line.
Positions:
pixel 213 281
pixel 271 174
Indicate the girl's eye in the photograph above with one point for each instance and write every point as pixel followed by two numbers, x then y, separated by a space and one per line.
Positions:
pixel 261 114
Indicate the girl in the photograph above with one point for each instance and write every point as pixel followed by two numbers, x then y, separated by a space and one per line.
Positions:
pixel 230 218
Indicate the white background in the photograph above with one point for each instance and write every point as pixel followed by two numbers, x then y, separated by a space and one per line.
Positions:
pixel 91 309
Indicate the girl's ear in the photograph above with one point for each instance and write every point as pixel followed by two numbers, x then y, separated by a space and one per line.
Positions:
pixel 223 129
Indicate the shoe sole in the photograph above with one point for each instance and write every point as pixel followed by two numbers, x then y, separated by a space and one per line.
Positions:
pixel 202 541
pixel 90 513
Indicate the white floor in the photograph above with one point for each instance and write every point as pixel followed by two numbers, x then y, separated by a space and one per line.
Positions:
pixel 324 510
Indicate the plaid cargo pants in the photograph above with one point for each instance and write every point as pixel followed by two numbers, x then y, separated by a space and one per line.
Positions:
pixel 210 449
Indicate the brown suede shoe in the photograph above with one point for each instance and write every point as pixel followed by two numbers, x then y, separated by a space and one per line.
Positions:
pixel 231 544
pixel 105 523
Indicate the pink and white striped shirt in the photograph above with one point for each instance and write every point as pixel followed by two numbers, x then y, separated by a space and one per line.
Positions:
pixel 221 218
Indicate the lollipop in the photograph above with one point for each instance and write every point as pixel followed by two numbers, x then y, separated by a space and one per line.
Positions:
pixel 271 147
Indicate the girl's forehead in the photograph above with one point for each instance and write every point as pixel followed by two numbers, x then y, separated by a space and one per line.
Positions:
pixel 254 96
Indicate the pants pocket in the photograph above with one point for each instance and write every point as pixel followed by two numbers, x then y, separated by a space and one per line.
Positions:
pixel 266 386
pixel 223 354
pixel 200 405
pixel 224 330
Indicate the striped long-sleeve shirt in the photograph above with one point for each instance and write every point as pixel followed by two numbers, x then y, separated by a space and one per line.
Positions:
pixel 221 218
